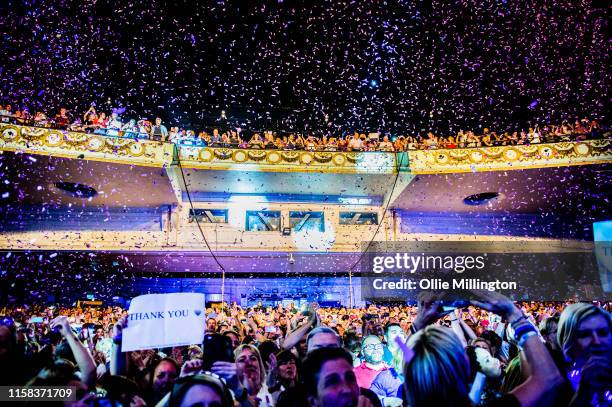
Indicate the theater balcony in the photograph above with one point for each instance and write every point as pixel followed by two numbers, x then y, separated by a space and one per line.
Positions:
pixel 64 191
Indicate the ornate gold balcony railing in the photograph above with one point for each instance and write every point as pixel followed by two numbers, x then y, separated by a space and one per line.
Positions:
pixel 60 143
pixel 511 157
pixel 96 147
pixel 372 162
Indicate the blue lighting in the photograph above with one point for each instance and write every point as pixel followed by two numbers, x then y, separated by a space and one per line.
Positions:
pixel 602 234
pixel 370 162
pixel 373 83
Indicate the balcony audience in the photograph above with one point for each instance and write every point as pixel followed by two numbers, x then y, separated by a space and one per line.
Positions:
pixel 100 123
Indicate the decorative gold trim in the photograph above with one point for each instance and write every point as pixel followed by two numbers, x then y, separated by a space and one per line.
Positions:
pixel 290 156
pixel 222 153
pixel 600 144
pixel 459 154
pixel 339 159
pixel 563 147
pixel 323 157
pixel 442 157
pixel 206 155
pixel 118 142
pixel 477 157
pixel 240 156
pixel 582 149
pixel 34 140
pixel 528 150
pixel 352 157
pixel 75 138
pixel 8 130
pixel 137 149
pixel 511 154
pixel 32 133
pixel 96 143
pixel 511 157
pixel 53 139
pixel 273 157
pixel 546 152
pixel 306 158
pixel 59 143
pixel 493 152
pixel 257 155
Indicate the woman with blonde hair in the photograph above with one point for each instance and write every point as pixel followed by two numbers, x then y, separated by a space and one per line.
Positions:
pixel 251 373
pixel 437 372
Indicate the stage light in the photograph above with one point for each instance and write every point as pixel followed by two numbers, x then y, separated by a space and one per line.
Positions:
pixel 237 206
pixel 355 201
pixel 373 83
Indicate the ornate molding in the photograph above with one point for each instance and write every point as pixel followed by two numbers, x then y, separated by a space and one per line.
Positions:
pixel 61 143
pixel 69 144
pixel 287 161
pixel 510 157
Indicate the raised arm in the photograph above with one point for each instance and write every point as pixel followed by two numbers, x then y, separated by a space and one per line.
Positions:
pixel 469 332
pixel 84 359
pixel 293 337
pixel 118 362
pixel 544 379
pixel 455 317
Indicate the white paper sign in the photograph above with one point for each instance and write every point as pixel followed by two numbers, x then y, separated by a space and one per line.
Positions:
pixel 164 320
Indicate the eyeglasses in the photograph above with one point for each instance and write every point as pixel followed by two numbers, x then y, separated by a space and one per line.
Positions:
pixel 377 346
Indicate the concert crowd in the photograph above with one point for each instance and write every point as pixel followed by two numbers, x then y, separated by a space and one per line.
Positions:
pixel 492 353
pixel 113 125
pixel 306 76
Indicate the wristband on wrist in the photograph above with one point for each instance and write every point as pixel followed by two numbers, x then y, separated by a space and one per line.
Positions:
pixel 520 330
pixel 524 337
pixel 520 324
pixel 517 320
pixel 523 330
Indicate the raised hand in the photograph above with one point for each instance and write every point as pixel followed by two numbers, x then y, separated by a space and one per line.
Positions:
pixel 497 303
pixel 119 327
pixel 62 323
pixel 596 374
pixel 429 309
pixel 229 372
pixel 271 370
pixel 191 367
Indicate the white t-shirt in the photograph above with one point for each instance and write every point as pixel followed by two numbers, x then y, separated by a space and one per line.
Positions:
pixel 264 396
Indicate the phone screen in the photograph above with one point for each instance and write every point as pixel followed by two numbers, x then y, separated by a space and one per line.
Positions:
pixel 217 348
pixel 271 329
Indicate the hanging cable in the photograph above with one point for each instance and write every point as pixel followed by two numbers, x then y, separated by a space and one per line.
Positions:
pixel 178 159
pixel 350 270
